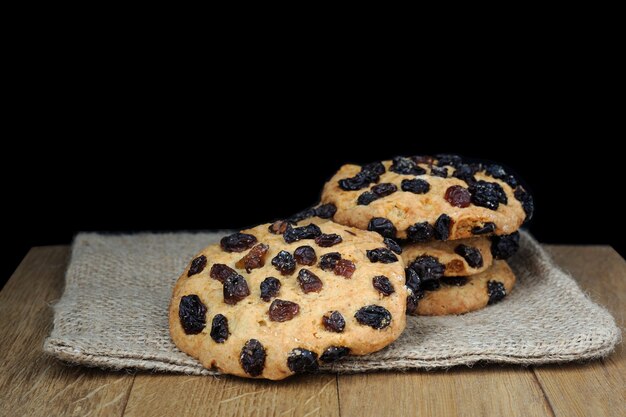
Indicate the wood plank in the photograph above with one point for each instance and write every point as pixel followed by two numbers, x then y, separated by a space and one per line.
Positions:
pixel 31 383
pixel 230 396
pixel 481 391
pixel 597 388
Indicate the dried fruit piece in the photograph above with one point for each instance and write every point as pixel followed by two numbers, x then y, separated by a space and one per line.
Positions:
pixel 376 167
pixel 457 281
pixel 439 172
pixel 496 171
pixel 305 255
pixel 309 282
pixel 432 285
pixel 487 194
pixel 219 328
pixel 302 360
pixel 237 242
pixel 334 353
pixel 344 268
pixel 496 291
pixel 284 263
pixel 366 198
pixel 488 227
pixel 412 279
pixel 382 226
pixel 505 246
pixel 359 181
pixel 527 201
pixel 466 173
pixel 269 288
pixel 220 272
pixel 382 255
pixel 329 261
pixel 252 357
pixel 411 303
pixel 448 159
pixel 301 215
pixel 384 189
pixel 333 321
pixel 472 255
pixel 293 234
pixel 420 232
pixel 197 265
pixel 253 259
pixel 278 227
pixel 511 180
pixel 415 186
pixel 235 289
pixel 458 196
pixel 428 268
pixel 192 314
pixel 383 285
pixel 326 211
pixel 281 310
pixel 442 227
pixel 374 316
pixel 393 245
pixel 406 166
pixel 327 241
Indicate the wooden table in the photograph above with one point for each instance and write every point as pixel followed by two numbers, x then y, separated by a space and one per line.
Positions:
pixel 32 384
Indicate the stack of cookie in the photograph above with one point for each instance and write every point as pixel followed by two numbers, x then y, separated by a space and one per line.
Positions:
pixel 420 235
pixel 457 223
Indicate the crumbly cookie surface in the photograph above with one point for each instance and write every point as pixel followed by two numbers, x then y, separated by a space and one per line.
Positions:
pixel 424 198
pixel 273 303
pixel 477 292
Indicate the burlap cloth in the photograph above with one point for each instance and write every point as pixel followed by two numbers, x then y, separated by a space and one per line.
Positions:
pixel 113 314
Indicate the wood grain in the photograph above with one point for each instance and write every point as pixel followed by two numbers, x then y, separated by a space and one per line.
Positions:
pixel 31 383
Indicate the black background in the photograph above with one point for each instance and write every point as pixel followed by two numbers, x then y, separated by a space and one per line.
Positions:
pixel 120 178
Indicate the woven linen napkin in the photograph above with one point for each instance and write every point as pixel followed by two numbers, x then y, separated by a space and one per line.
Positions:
pixel 114 314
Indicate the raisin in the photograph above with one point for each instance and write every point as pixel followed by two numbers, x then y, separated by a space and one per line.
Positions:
pixel 376 167
pixel 192 314
pixel 511 180
pixel 406 166
pixel 442 227
pixel 344 268
pixel 496 291
pixel 415 186
pixel 382 255
pixel 302 360
pixel 197 265
pixel 527 202
pixel 252 357
pixel 487 194
pixel 465 172
pixel 457 281
pixel 411 303
pixel 329 261
pixel 382 226
pixel 439 172
pixel 458 196
pixel 383 285
pixel 374 316
pixel 384 189
pixel 269 288
pixel 359 181
pixel 237 242
pixel 309 282
pixel 448 159
pixel 220 272
pixel 422 159
pixel 472 256
pixel 326 241
pixel 219 328
pixel 505 246
pixel 305 255
pixel 235 289
pixel 333 321
pixel 281 310
pixel 334 353
pixel 420 232
pixel 432 285
pixel 366 198
pixel 325 211
pixel 488 227
pixel 293 234
pixel 412 279
pixel 253 259
pixel 278 227
pixel 301 215
pixel 393 245
pixel 428 268
pixel 496 171
pixel 284 263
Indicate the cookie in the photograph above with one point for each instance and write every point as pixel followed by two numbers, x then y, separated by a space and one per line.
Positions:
pixel 424 198
pixel 283 298
pixel 458 257
pixel 458 295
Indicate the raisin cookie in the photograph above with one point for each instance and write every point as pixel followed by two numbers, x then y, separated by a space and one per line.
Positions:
pixel 425 198
pixel 458 295
pixel 283 298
